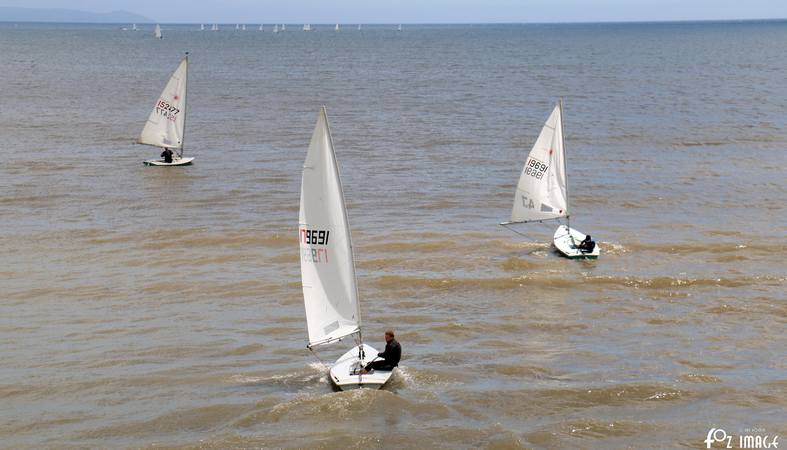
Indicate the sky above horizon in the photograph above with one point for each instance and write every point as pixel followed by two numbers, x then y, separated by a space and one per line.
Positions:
pixel 425 11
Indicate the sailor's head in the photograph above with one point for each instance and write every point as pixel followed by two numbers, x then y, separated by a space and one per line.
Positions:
pixel 587 238
pixel 389 335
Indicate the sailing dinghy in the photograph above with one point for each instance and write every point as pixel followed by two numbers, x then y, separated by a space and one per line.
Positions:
pixel 166 125
pixel 330 290
pixel 542 191
pixel 157 32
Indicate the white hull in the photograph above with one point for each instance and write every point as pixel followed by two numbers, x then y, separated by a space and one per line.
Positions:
pixel 344 373
pixel 175 162
pixel 568 247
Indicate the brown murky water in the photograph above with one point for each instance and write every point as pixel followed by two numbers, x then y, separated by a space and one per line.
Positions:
pixel 152 307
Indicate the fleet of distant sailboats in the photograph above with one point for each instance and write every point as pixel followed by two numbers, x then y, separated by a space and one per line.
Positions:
pixel 242 27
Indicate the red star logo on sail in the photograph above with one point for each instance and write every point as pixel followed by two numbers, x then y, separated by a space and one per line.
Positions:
pixel 550 151
pixel 176 97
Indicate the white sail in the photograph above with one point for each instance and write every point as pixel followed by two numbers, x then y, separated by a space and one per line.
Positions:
pixel 243 27
pixel 202 27
pixel 283 27
pixel 541 192
pixel 237 27
pixel 337 27
pixel 400 27
pixel 276 28
pixel 167 121
pixel 307 27
pixel 327 268
pixel 134 27
pixel 359 27
pixel 215 27
pixel 157 32
pixel 260 27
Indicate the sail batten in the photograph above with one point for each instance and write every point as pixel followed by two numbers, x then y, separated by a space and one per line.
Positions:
pixel 327 266
pixel 167 122
pixel 541 192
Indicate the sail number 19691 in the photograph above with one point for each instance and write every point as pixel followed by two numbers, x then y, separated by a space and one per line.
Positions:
pixel 535 168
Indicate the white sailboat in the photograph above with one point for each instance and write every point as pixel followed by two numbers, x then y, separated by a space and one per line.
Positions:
pixel 237 27
pixel 243 27
pixel 307 27
pixel 202 27
pixel 400 27
pixel 166 125
pixel 330 290
pixel 542 191
pixel 359 27
pixel 283 27
pixel 157 32
pixel 134 27
pixel 276 28
pixel 214 27
pixel 260 27
pixel 337 27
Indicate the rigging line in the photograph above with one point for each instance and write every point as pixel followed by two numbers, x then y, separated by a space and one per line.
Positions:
pixel 513 230
pixel 325 366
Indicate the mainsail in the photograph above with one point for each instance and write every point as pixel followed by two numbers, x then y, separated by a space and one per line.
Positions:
pixel 541 192
pixel 167 122
pixel 157 32
pixel 327 268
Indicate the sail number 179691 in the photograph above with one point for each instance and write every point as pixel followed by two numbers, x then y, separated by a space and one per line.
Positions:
pixel 314 237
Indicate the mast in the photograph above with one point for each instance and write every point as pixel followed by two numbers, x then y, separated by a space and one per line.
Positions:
pixel 185 99
pixel 563 141
pixel 349 234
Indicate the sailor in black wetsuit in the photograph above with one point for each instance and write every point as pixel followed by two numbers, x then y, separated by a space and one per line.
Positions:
pixel 167 155
pixel 391 355
pixel 587 245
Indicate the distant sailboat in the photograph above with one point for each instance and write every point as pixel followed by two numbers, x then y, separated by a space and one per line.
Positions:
pixel 359 27
pixel 330 290
pixel 283 27
pixel 260 27
pixel 166 125
pixel 243 27
pixel 542 191
pixel 157 32
pixel 307 27
pixel 237 27
pixel 337 27
pixel 400 27
pixel 214 27
pixel 202 27
pixel 134 27
pixel 276 28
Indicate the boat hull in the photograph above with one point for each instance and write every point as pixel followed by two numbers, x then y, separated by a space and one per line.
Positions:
pixel 344 373
pixel 175 162
pixel 568 248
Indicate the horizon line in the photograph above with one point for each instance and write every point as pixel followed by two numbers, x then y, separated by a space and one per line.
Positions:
pixel 578 22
